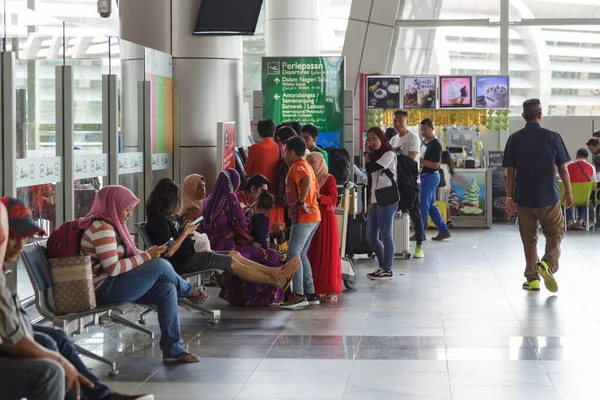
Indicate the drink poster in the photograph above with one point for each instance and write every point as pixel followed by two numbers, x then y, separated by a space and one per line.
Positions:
pixel 492 91
pixel 455 92
pixel 420 92
pixel 383 92
pixel 225 146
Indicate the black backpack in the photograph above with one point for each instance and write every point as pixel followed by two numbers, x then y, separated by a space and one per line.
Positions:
pixel 339 164
pixel 408 173
pixel 282 172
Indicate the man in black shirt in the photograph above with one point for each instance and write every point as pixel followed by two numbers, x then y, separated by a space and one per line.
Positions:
pixel 593 146
pixel 430 179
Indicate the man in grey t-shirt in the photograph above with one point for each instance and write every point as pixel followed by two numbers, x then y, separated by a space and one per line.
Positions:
pixel 409 144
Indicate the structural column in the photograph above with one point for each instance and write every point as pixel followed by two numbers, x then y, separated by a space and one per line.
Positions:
pixel 206 70
pixel 292 28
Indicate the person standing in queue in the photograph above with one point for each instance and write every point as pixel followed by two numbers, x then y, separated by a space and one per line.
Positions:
pixel 531 156
pixel 430 179
pixel 381 160
pixel 408 143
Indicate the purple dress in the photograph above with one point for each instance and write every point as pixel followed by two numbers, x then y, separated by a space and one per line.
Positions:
pixel 235 290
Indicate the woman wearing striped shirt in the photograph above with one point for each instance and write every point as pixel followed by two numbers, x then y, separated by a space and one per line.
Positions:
pixel 123 273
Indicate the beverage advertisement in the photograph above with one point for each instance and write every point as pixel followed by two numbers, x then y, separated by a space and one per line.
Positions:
pixel 225 145
pixel 383 92
pixel 492 91
pixel 455 92
pixel 468 197
pixel 420 92
pixel 159 71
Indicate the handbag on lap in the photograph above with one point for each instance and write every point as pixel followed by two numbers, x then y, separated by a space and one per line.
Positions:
pixel 73 284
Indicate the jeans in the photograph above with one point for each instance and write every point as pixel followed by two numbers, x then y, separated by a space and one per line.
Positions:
pixel 380 225
pixel 417 221
pixel 155 283
pixel 581 213
pixel 429 184
pixel 32 379
pixel 300 238
pixel 58 341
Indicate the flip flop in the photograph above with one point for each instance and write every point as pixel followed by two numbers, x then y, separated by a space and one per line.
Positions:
pixel 289 269
pixel 200 298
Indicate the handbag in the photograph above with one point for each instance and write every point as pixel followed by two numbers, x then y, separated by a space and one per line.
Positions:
pixel 241 237
pixel 389 195
pixel 201 242
pixel 442 179
pixel 72 284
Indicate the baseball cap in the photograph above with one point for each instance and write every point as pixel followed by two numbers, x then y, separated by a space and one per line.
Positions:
pixel 592 142
pixel 20 219
pixel 532 107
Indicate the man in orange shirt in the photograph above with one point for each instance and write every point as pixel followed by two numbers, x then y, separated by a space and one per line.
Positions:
pixel 263 159
pixel 303 209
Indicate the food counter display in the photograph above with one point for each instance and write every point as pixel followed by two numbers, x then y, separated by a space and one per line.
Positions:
pixel 470 204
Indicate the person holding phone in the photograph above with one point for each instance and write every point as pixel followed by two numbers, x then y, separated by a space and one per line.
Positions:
pixel 124 273
pixel 160 209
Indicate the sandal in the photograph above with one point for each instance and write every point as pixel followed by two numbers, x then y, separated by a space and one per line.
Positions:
pixel 328 298
pixel 201 297
pixel 183 358
pixel 287 273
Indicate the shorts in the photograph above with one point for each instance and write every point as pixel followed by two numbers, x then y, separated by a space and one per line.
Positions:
pixel 206 260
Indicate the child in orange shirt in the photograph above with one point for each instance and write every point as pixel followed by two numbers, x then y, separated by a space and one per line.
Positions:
pixel 303 208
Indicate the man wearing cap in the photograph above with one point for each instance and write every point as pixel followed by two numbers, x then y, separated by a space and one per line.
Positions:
pixel 531 156
pixel 21 340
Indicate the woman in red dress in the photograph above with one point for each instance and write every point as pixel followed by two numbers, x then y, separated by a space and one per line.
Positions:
pixel 324 251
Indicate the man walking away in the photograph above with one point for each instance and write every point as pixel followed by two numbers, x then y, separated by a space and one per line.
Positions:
pixel 408 143
pixel 532 155
pixel 430 179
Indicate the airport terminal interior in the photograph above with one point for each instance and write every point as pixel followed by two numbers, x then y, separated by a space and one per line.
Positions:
pixel 103 93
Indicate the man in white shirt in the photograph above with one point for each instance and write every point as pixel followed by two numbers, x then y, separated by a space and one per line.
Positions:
pixel 409 144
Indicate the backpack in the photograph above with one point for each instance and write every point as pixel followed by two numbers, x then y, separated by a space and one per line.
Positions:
pixel 282 172
pixel 65 241
pixel 339 164
pixel 407 172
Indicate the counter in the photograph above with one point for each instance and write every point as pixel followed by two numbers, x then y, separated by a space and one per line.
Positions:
pixel 470 203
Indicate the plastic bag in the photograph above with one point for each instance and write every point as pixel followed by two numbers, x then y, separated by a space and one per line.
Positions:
pixel 201 242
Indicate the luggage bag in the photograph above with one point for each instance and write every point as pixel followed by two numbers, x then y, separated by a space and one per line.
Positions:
pixel 402 235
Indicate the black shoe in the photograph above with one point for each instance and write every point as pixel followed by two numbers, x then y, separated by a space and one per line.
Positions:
pixel 381 274
pixel 313 299
pixel 442 236
pixel 294 301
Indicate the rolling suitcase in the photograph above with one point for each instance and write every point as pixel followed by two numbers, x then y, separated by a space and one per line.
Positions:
pixel 402 235
pixel 356 239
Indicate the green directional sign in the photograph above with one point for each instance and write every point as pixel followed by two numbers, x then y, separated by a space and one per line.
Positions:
pixel 309 90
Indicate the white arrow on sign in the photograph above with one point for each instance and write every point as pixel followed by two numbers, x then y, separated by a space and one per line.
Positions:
pixel 277 80
pixel 277 97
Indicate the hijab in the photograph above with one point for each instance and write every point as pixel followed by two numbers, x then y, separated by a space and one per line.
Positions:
pixel 375 155
pixel 109 204
pixel 190 188
pixel 227 183
pixel 320 167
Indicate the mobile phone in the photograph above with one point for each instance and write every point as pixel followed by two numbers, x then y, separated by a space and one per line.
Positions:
pixel 169 244
pixel 197 221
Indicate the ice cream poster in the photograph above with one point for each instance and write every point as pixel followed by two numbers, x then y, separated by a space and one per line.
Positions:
pixel 468 199
pixel 455 92
pixel 492 91
pixel 420 92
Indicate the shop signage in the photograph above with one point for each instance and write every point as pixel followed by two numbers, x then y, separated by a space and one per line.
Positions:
pixel 383 92
pixel 420 92
pixel 131 163
pixel 309 90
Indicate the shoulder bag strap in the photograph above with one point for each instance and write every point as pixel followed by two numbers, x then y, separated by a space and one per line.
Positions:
pixel 583 170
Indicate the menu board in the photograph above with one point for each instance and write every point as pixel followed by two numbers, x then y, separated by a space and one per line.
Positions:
pixel 383 92
pixel 455 92
pixel 492 91
pixel 309 90
pixel 420 92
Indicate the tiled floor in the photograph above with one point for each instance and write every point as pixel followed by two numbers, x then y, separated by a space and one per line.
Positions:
pixel 456 325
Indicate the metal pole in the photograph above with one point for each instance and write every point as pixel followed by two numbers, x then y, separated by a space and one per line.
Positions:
pixel 9 127
pixel 110 126
pixel 504 37
pixel 65 190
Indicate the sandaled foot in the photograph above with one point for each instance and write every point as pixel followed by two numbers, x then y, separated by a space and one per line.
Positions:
pixel 198 297
pixel 329 298
pixel 289 269
pixel 183 358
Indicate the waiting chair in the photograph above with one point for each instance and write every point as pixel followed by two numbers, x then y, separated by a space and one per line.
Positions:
pixel 582 197
pixel 215 315
pixel 38 269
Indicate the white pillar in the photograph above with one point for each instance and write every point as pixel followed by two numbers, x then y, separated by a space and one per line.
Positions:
pixel 292 28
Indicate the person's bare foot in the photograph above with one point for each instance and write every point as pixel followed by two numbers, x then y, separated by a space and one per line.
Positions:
pixel 577 226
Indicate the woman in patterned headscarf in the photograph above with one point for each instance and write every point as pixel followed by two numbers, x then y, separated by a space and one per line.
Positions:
pixel 225 224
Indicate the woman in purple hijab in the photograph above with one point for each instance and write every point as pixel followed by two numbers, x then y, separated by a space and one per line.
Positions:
pixel 221 209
